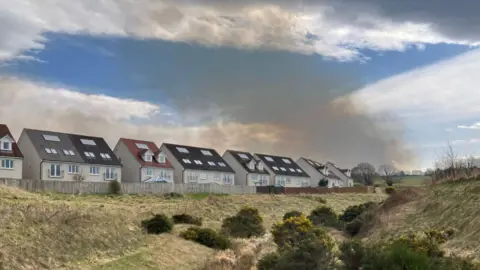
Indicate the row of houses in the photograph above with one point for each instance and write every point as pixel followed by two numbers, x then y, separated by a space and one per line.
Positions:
pixel 47 155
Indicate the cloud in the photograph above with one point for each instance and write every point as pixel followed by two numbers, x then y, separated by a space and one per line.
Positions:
pixel 473 126
pixel 334 29
pixel 446 91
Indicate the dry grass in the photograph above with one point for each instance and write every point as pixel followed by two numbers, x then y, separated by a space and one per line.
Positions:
pixel 54 231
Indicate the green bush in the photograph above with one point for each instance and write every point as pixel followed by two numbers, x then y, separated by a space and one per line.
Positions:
pixel 290 214
pixel 427 242
pixel 396 256
pixel 355 210
pixel 324 216
pixel 389 190
pixel 114 188
pixel 352 254
pixel 158 224
pixel 187 219
pixel 207 237
pixel 354 227
pixel 245 224
pixel 323 183
pixel 269 261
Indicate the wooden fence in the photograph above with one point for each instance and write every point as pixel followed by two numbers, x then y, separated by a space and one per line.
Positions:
pixel 127 188
pixel 312 190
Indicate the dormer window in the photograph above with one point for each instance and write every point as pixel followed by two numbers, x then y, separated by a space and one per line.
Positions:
pixel 251 165
pixel 161 158
pixel 260 166
pixel 6 146
pixel 147 157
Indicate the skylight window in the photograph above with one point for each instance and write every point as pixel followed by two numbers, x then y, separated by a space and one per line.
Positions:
pixel 51 151
pixel 211 163
pixel 187 161
pixel 105 156
pixel 68 152
pixel 269 159
pixel 243 156
pixel 287 161
pixel 51 138
pixel 88 142
pixel 283 169
pixel 222 164
pixel 292 169
pixel 141 146
pixel 182 150
pixel 198 162
pixel 89 155
pixel 300 171
pixel 206 152
pixel 275 168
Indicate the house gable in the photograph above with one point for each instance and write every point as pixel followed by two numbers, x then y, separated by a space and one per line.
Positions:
pixel 8 145
pixel 138 148
pixel 248 162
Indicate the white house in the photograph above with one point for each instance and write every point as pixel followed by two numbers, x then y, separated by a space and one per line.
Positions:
pixel 11 158
pixel 284 171
pixel 67 157
pixel 143 161
pixel 318 171
pixel 198 165
pixel 248 170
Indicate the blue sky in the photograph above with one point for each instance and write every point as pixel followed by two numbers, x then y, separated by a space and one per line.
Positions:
pixel 275 92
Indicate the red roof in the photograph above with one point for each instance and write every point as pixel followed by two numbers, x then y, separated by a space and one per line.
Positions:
pixel 137 153
pixel 15 150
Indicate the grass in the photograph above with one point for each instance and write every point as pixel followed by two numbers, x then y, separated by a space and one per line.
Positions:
pixel 58 231
pixel 408 180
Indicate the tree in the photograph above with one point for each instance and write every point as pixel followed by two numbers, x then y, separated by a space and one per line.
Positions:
pixel 365 172
pixel 387 171
pixel 79 178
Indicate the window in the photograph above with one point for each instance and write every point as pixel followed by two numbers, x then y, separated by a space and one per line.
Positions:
pixel 283 169
pixel 6 146
pixel 72 169
pixel 187 161
pixel 142 146
pixel 94 170
pixel 203 176
pixel 227 179
pixel 68 152
pixel 7 164
pixel 149 172
pixel 260 166
pixel 89 155
pixel 300 171
pixel 221 164
pixel 292 169
pixel 182 150
pixel 243 156
pixel 206 152
pixel 88 142
pixel 105 156
pixel 164 174
pixel 211 163
pixel 216 177
pixel 110 174
pixel 51 151
pixel 198 162
pixel 161 158
pixel 55 170
pixel 269 159
pixel 51 138
pixel 147 157
pixel 251 165
pixel 286 161
pixel 275 168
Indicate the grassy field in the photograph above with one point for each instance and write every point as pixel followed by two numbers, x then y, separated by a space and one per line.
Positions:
pixel 55 231
pixel 409 180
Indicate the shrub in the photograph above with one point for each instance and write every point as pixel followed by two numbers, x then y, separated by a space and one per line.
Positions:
pixel 390 190
pixel 269 261
pixel 114 188
pixel 290 214
pixel 173 195
pixel 207 237
pixel 352 254
pixel 324 216
pixel 289 233
pixel 158 224
pixel 396 256
pixel 320 199
pixel 187 219
pixel 355 210
pixel 323 183
pixel 354 227
pixel 427 242
pixel 245 224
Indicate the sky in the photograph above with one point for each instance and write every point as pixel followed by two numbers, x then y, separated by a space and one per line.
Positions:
pixel 344 81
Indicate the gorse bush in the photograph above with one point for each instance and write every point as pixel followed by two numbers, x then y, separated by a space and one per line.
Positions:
pixel 289 233
pixel 114 188
pixel 352 254
pixel 290 214
pixel 187 219
pixel 245 224
pixel 324 216
pixel 207 237
pixel 390 190
pixel 355 210
pixel 158 224
pixel 173 195
pixel 269 261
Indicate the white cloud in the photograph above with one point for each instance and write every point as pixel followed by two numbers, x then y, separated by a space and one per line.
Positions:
pixel 242 25
pixel 442 92
pixel 473 126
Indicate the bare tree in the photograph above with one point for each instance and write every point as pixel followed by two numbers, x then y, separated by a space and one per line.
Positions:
pixel 387 171
pixel 365 171
pixel 79 178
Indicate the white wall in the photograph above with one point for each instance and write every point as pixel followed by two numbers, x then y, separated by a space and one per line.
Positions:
pixel 156 172
pixel 255 177
pixel 131 167
pixel 290 181
pixel 83 170
pixel 15 172
pixel 206 177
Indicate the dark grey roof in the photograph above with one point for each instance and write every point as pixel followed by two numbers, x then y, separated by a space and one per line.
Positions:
pixel 212 162
pixel 321 167
pixel 40 144
pixel 100 148
pixel 71 143
pixel 246 161
pixel 291 168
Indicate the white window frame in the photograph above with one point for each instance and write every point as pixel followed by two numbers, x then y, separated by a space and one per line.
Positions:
pixel 71 171
pixel 149 172
pixel 90 155
pixel 283 169
pixel 51 151
pixel 206 152
pixel 161 158
pixel 292 169
pixel 88 142
pixel 242 156
pixel 260 166
pixel 203 176
pixel 51 138
pixel 110 173
pixel 222 164
pixel 3 148
pixel 183 150
pixel 68 152
pixel 55 175
pixel 251 165
pixel 198 162
pixel 147 157
pixel 275 168
pixel 287 161
pixel 269 159
pixel 7 164
pixel 211 163
pixel 142 146
pixel 300 171
pixel 94 170
pixel 187 161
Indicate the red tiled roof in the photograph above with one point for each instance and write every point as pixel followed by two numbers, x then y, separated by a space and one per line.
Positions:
pixel 15 150
pixel 137 153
